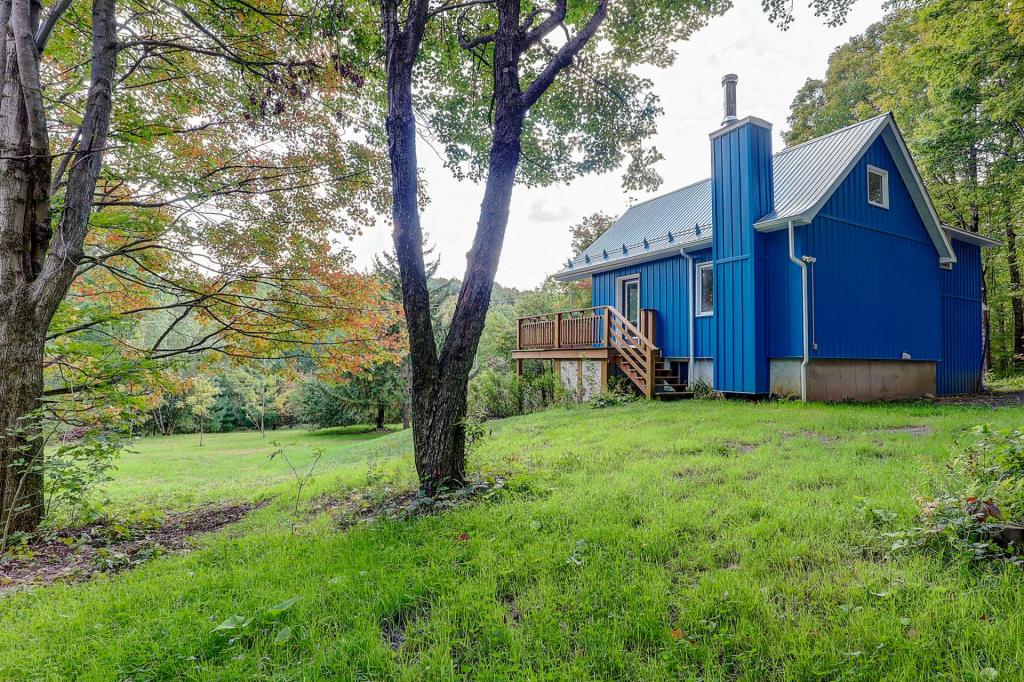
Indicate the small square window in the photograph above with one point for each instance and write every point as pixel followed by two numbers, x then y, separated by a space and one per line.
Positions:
pixel 878 187
pixel 705 302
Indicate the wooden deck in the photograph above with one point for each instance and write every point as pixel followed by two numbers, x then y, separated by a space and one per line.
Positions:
pixel 599 333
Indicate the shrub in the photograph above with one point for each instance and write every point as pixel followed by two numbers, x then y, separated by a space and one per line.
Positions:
pixel 702 390
pixel 977 516
pixel 495 395
pixel 612 398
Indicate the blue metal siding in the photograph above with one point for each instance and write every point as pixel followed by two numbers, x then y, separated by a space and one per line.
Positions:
pixel 663 289
pixel 876 279
pixel 703 327
pixel 784 298
pixel 742 190
pixel 962 352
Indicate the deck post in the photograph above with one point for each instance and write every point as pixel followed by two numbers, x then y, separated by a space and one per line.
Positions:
pixel 606 341
pixel 519 334
pixel 558 330
pixel 519 367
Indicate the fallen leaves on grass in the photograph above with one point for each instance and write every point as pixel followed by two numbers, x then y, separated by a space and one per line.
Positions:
pixel 368 505
pixel 110 546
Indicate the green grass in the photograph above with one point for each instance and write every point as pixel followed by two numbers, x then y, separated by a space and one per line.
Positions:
pixel 175 472
pixel 701 540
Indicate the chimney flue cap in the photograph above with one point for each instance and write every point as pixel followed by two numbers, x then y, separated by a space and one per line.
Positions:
pixel 729 88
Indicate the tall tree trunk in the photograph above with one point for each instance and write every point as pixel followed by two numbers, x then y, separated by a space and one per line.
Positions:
pixel 440 384
pixel 21 447
pixel 379 422
pixel 35 272
pixel 1016 302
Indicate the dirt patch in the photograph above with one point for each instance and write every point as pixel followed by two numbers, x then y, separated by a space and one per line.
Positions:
pixel 822 438
pixel 368 505
pixel 738 446
pixel 75 554
pixel 515 616
pixel 920 430
pixel 996 399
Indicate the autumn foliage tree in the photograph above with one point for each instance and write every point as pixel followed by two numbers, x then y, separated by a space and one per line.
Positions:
pixel 173 179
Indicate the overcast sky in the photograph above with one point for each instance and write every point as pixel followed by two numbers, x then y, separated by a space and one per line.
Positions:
pixel 771 65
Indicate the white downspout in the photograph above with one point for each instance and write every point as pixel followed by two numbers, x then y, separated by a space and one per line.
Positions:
pixel 803 286
pixel 689 306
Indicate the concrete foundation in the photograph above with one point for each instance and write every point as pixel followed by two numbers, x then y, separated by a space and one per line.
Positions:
pixel 856 380
pixel 703 370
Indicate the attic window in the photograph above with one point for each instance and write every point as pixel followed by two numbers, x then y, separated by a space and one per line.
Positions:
pixel 878 187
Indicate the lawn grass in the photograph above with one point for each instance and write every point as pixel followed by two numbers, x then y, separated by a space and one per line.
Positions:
pixel 175 472
pixel 702 540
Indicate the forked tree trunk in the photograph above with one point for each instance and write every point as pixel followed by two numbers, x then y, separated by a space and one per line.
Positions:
pixel 36 274
pixel 439 384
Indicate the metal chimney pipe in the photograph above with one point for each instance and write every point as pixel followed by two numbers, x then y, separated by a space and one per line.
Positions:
pixel 729 87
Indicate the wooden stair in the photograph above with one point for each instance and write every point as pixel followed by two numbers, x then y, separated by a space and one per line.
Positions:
pixel 666 383
pixel 636 356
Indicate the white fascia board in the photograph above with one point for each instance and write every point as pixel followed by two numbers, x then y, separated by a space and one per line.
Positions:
pixel 970 237
pixel 781 223
pixel 737 124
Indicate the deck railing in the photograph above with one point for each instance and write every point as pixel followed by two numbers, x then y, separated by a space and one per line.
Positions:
pixel 597 327
pixel 569 329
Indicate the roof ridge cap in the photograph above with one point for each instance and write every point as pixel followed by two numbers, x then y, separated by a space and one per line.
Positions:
pixel 834 132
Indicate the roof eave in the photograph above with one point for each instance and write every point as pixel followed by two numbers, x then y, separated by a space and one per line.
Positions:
pixel 571 274
pixel 971 237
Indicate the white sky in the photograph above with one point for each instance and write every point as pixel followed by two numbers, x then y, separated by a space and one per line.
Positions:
pixel 771 64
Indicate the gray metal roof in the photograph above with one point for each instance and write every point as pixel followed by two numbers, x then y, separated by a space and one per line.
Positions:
pixel 808 173
pixel 805 176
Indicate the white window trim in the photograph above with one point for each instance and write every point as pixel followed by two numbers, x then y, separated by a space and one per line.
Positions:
pixel 620 287
pixel 698 289
pixel 885 186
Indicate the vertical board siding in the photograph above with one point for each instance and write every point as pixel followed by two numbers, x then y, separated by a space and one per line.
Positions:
pixel 876 279
pixel 703 327
pixel 662 289
pixel 784 297
pixel 962 352
pixel 742 192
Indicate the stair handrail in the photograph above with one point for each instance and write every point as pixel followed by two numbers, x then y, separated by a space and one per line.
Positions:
pixel 639 356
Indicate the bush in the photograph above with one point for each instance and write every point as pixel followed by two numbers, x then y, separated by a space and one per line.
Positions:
pixel 612 397
pixel 702 390
pixel 978 514
pixel 496 395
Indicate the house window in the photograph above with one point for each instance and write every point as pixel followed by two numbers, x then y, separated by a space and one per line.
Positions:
pixel 631 300
pixel 878 187
pixel 705 289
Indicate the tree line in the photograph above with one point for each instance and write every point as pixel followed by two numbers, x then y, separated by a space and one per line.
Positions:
pixel 952 73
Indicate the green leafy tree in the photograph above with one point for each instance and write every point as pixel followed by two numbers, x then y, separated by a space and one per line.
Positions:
pixel 258 387
pixel 497 82
pixel 201 400
pixel 952 74
pixel 166 156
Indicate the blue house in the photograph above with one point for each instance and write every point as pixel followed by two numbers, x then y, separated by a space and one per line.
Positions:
pixel 820 271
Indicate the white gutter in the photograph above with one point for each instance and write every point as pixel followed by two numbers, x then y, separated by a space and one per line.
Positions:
pixel 803 286
pixel 690 307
